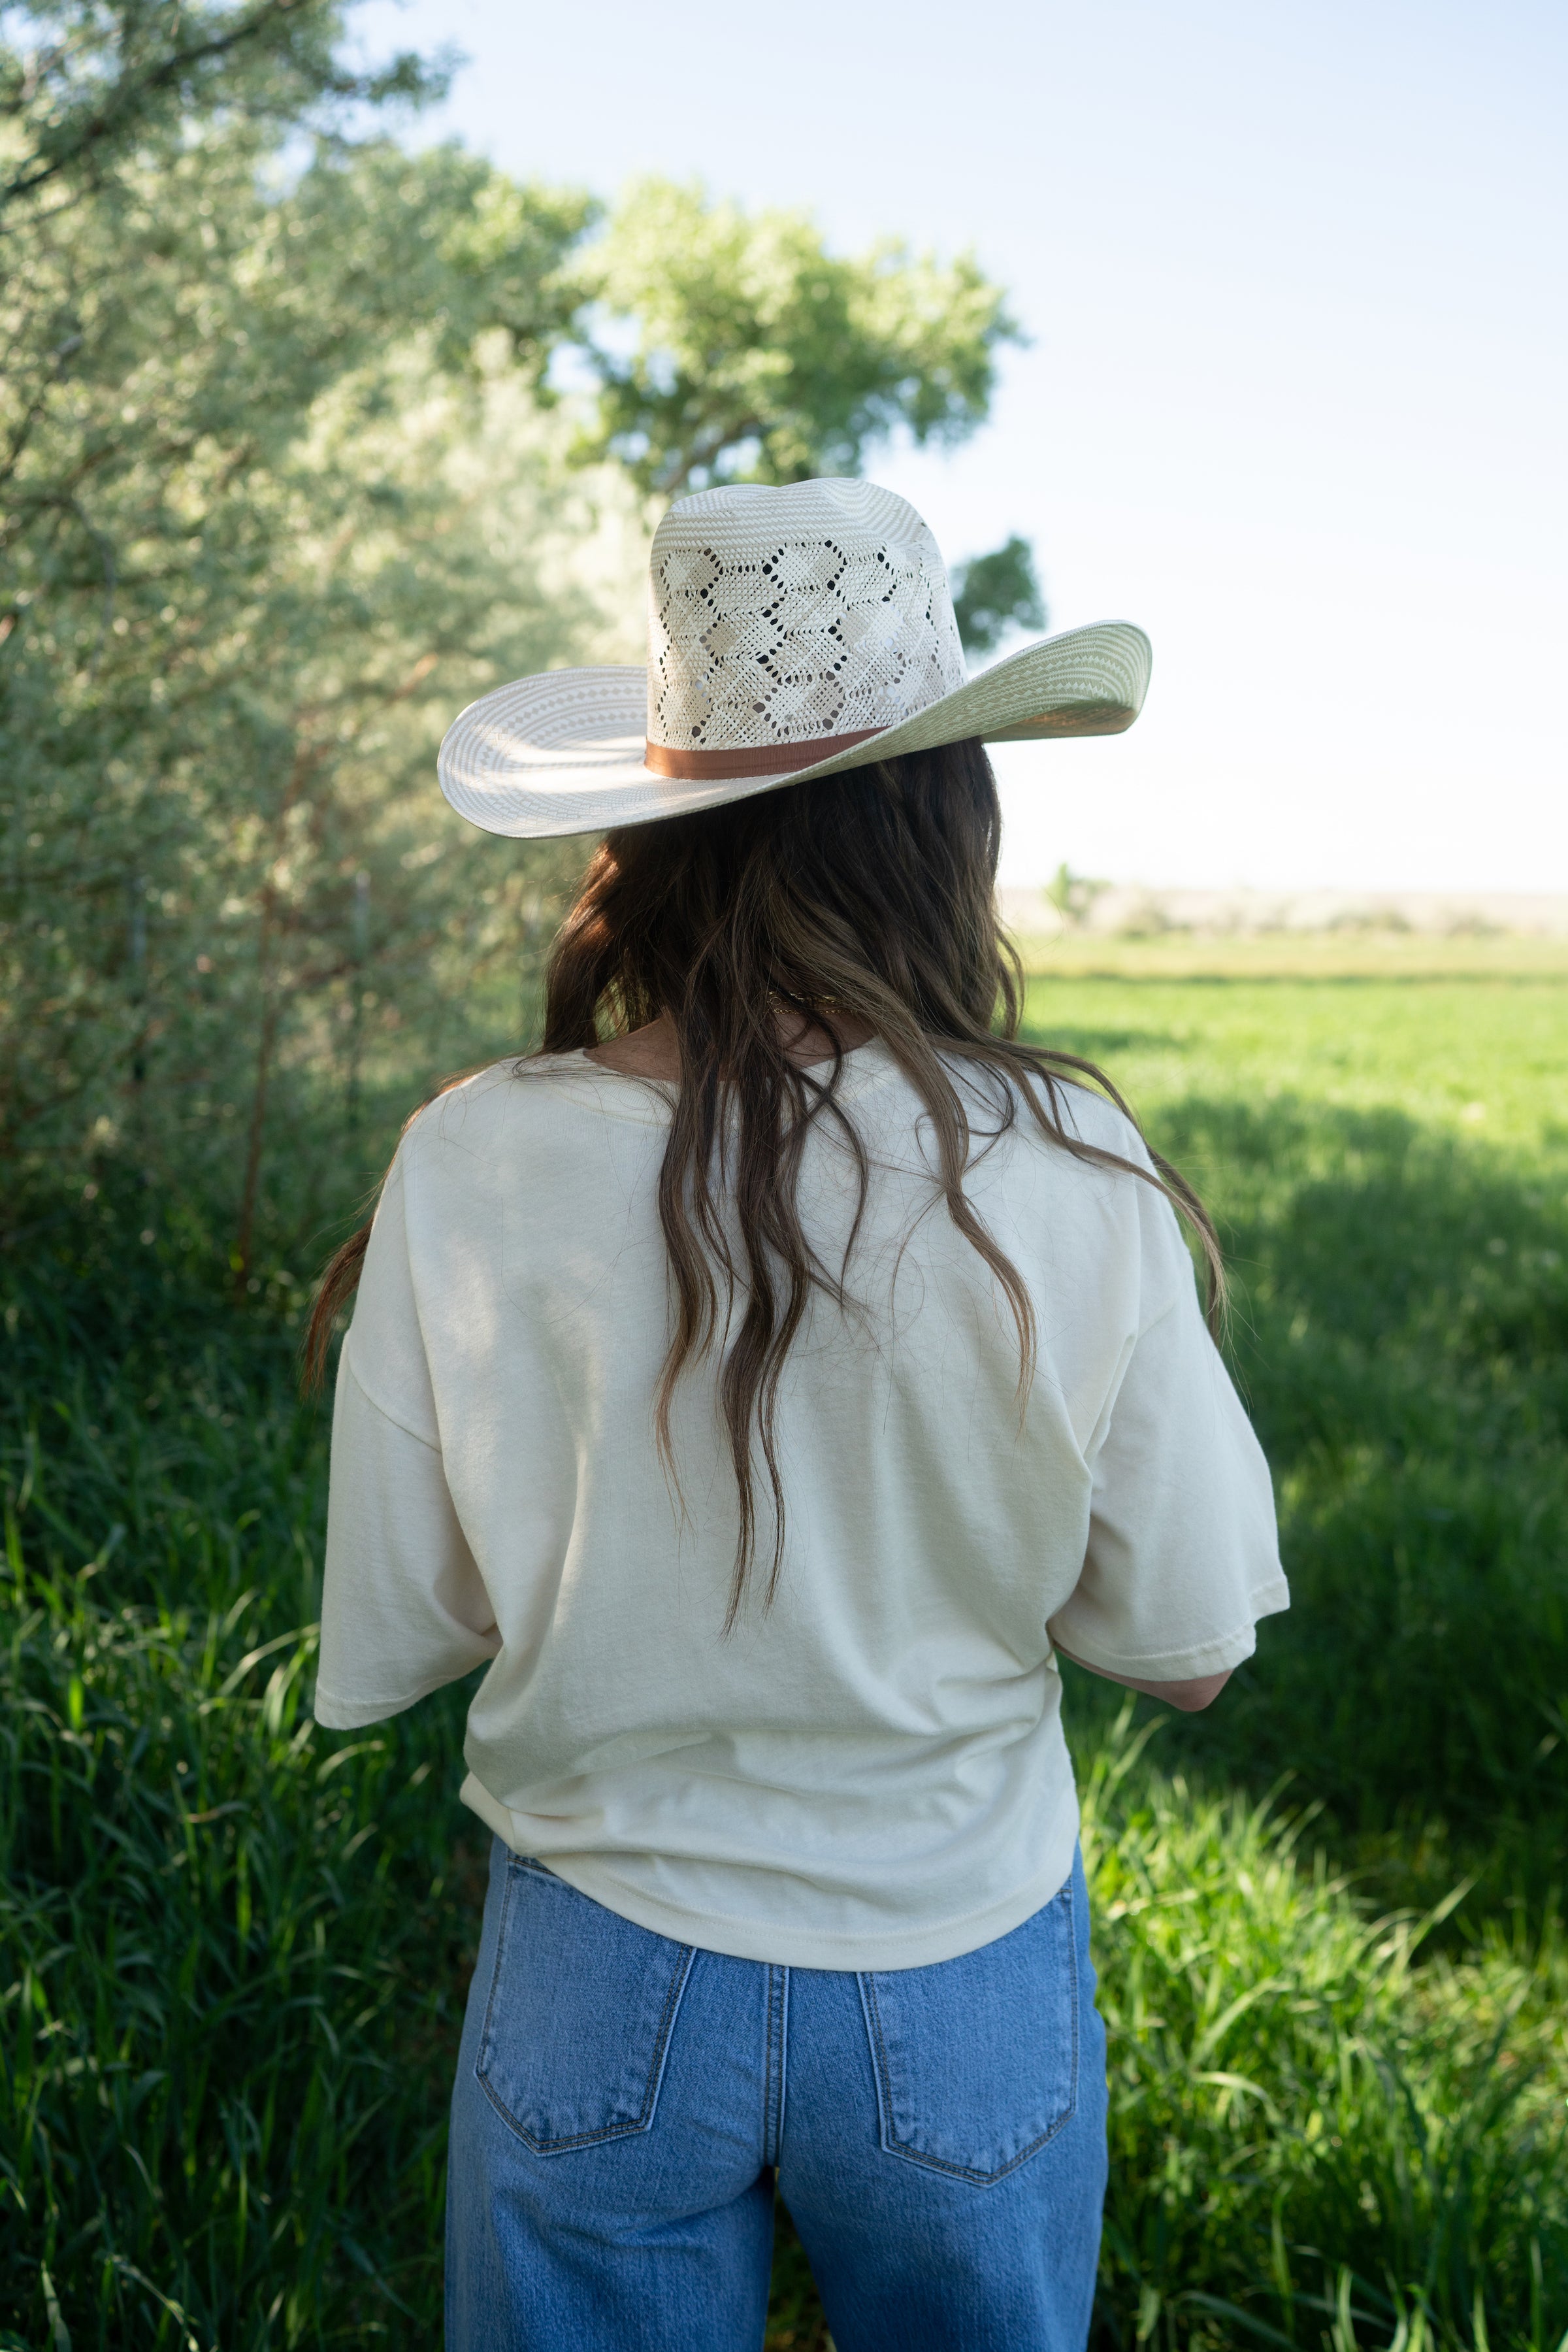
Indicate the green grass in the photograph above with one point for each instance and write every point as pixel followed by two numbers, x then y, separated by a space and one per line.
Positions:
pixel 1481 1058
pixel 1401 1330
pixel 232 1948
pixel 235 1948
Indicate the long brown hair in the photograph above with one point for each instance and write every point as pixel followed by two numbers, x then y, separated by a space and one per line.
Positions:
pixel 865 900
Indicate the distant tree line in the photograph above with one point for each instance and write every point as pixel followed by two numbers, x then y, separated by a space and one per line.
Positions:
pixel 288 474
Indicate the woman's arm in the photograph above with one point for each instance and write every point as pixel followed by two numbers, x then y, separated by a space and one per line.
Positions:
pixel 1190 1697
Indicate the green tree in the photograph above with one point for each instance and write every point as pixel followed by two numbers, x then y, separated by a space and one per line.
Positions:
pixel 1074 895
pixel 85 83
pixel 759 356
pixel 996 592
pixel 245 575
pixel 283 483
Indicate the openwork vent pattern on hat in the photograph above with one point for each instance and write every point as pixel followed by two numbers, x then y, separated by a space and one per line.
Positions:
pixel 843 625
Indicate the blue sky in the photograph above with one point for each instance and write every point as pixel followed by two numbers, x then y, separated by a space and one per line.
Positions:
pixel 1295 395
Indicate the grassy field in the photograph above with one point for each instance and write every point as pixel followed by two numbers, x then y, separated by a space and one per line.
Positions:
pixel 234 1947
pixel 1389 1163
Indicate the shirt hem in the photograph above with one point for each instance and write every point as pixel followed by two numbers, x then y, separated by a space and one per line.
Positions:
pixel 1218 1656
pixel 791 1945
pixel 334 1714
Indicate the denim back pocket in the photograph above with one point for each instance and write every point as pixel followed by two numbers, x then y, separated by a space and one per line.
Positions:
pixel 583 2005
pixel 977 2058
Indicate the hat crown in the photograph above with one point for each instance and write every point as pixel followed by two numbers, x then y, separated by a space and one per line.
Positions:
pixel 781 616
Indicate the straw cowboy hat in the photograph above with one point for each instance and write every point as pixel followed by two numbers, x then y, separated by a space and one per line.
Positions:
pixel 791 633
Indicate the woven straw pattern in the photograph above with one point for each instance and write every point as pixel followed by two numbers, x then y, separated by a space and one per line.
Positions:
pixel 775 615
pixel 562 752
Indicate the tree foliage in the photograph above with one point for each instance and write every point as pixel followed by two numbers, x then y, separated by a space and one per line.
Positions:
pixel 283 481
pixel 758 356
pixel 996 592
pixel 100 78
pixel 250 566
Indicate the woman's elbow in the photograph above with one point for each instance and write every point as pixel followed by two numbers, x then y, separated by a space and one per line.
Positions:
pixel 1194 1696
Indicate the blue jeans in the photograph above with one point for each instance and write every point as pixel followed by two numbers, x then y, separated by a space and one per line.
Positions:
pixel 624 2103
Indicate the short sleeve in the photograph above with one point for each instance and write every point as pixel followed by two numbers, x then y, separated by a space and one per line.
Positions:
pixel 1182 1553
pixel 403 1607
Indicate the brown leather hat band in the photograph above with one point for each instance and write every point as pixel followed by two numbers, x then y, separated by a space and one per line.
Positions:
pixel 772 760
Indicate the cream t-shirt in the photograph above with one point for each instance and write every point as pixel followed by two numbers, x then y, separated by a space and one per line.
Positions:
pixel 872 1774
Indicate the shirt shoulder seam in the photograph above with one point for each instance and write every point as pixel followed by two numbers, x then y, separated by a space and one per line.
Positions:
pixel 430 1444
pixel 1159 1317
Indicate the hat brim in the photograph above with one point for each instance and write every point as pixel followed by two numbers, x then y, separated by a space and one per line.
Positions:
pixel 562 752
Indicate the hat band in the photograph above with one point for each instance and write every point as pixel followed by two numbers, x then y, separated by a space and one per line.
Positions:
pixel 692 767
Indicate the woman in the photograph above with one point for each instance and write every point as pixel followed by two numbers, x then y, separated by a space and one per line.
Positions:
pixel 770 1379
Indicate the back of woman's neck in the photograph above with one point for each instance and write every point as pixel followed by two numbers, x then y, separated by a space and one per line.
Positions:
pixel 654 1053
